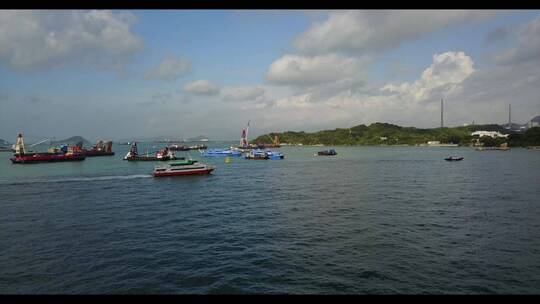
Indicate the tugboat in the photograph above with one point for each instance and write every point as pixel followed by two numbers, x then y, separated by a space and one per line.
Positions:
pixel 188 167
pixel 330 152
pixel 161 155
pixel 100 149
pixel 67 154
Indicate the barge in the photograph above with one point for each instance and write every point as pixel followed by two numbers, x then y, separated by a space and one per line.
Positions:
pixel 22 157
pixel 177 147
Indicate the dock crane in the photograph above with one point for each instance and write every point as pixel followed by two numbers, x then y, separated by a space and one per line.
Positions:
pixel 275 140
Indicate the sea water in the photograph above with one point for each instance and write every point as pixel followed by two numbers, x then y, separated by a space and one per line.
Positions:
pixel 377 220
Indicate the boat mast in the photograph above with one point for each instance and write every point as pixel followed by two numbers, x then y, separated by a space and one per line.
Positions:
pixel 242 137
pixel 133 150
pixel 243 140
pixel 19 146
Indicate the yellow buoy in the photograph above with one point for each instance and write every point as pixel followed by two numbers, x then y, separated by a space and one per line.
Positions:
pixel 228 160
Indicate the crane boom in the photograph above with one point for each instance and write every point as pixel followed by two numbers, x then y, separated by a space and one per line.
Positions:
pixel 39 142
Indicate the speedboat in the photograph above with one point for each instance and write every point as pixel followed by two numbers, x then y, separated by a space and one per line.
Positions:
pixel 188 167
pixel 453 158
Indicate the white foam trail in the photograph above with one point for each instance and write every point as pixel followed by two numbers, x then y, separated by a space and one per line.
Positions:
pixel 101 178
pixel 85 179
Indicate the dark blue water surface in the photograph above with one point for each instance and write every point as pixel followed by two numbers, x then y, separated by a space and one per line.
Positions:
pixel 369 220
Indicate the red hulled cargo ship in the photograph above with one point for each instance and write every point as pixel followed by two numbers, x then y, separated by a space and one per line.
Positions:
pixel 21 157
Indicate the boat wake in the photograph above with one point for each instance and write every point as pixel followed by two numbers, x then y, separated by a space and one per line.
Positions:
pixel 82 179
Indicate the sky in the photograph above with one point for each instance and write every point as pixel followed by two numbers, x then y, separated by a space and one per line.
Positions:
pixel 139 74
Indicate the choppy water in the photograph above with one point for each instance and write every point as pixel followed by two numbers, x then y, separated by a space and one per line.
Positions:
pixel 370 220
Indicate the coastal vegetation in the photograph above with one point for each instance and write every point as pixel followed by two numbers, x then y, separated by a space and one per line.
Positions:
pixel 388 134
pixel 531 137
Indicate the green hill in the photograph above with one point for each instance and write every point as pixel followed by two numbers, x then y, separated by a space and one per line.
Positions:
pixel 389 134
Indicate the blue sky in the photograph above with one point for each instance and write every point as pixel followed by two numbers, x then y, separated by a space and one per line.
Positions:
pixel 169 73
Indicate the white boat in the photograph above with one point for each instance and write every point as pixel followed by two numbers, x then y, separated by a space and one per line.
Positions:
pixel 188 167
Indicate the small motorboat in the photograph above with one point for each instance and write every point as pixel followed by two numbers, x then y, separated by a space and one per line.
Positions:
pixel 326 153
pixel 453 158
pixel 274 155
pixel 188 167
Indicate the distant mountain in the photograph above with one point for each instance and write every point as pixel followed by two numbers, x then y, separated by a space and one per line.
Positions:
pixel 199 138
pixel 72 141
pixel 4 143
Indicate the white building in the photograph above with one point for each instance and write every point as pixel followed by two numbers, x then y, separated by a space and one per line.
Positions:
pixel 492 134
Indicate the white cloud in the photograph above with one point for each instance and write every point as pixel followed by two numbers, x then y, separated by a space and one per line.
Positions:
pixel 246 93
pixel 297 70
pixel 44 39
pixel 327 77
pixel 170 69
pixel 291 102
pixel 202 87
pixel 447 71
pixel 349 103
pixel 469 94
pixel 369 31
